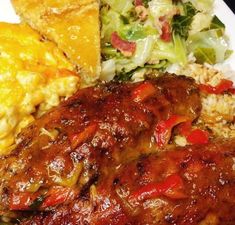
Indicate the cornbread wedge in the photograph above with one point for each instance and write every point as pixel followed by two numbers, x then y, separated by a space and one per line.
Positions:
pixel 72 25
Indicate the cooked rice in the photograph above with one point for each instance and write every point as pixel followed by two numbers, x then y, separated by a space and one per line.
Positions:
pixel 202 74
pixel 217 108
pixel 218 111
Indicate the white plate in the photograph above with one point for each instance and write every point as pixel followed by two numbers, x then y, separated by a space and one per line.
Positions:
pixel 221 10
pixel 7 12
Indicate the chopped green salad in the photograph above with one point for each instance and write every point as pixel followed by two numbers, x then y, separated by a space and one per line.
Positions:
pixel 139 36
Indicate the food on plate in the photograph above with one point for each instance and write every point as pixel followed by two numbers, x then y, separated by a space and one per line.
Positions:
pixel 73 25
pixel 185 185
pixel 34 74
pixel 157 151
pixel 95 130
pixel 218 98
pixel 139 37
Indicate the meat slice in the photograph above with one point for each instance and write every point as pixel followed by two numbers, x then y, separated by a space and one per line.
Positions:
pixel 187 185
pixel 64 152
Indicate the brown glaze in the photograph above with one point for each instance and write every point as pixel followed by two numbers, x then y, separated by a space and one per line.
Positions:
pixel 208 176
pixel 90 135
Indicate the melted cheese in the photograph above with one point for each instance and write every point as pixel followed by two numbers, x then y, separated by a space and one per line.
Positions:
pixel 33 73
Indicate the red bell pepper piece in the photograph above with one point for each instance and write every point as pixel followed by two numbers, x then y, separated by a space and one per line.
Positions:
pixel 138 2
pixel 232 91
pixel 22 200
pixel 166 29
pixel 58 195
pixel 154 190
pixel 163 129
pixel 185 128
pixel 143 91
pixel 223 86
pixel 126 47
pixel 198 136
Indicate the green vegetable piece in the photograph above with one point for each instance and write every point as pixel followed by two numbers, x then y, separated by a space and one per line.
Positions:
pixel 180 49
pixel 205 55
pixel 124 77
pixel 120 6
pixel 210 39
pixel 203 5
pixel 161 65
pixel 109 27
pixel 228 53
pixel 136 31
pixel 37 202
pixel 216 23
pixel 176 1
pixel 124 19
pixel 181 23
pixel 145 2
pixel 110 52
pixel 189 9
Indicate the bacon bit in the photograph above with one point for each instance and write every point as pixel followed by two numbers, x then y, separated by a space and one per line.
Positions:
pixel 224 85
pixel 58 195
pixel 126 47
pixel 198 136
pixel 79 138
pixel 163 129
pixel 143 92
pixel 22 200
pixel 154 190
pixel 138 3
pixel 166 29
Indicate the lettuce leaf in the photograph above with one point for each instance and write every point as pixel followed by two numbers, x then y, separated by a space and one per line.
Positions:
pixel 173 52
pixel 216 23
pixel 107 27
pixel 108 70
pixel 209 46
pixel 136 31
pixel 160 8
pixel 142 55
pixel 203 5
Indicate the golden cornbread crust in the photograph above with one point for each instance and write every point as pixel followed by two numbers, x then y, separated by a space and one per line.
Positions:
pixel 73 25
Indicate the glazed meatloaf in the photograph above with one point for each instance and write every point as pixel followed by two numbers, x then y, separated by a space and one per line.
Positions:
pixel 107 156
